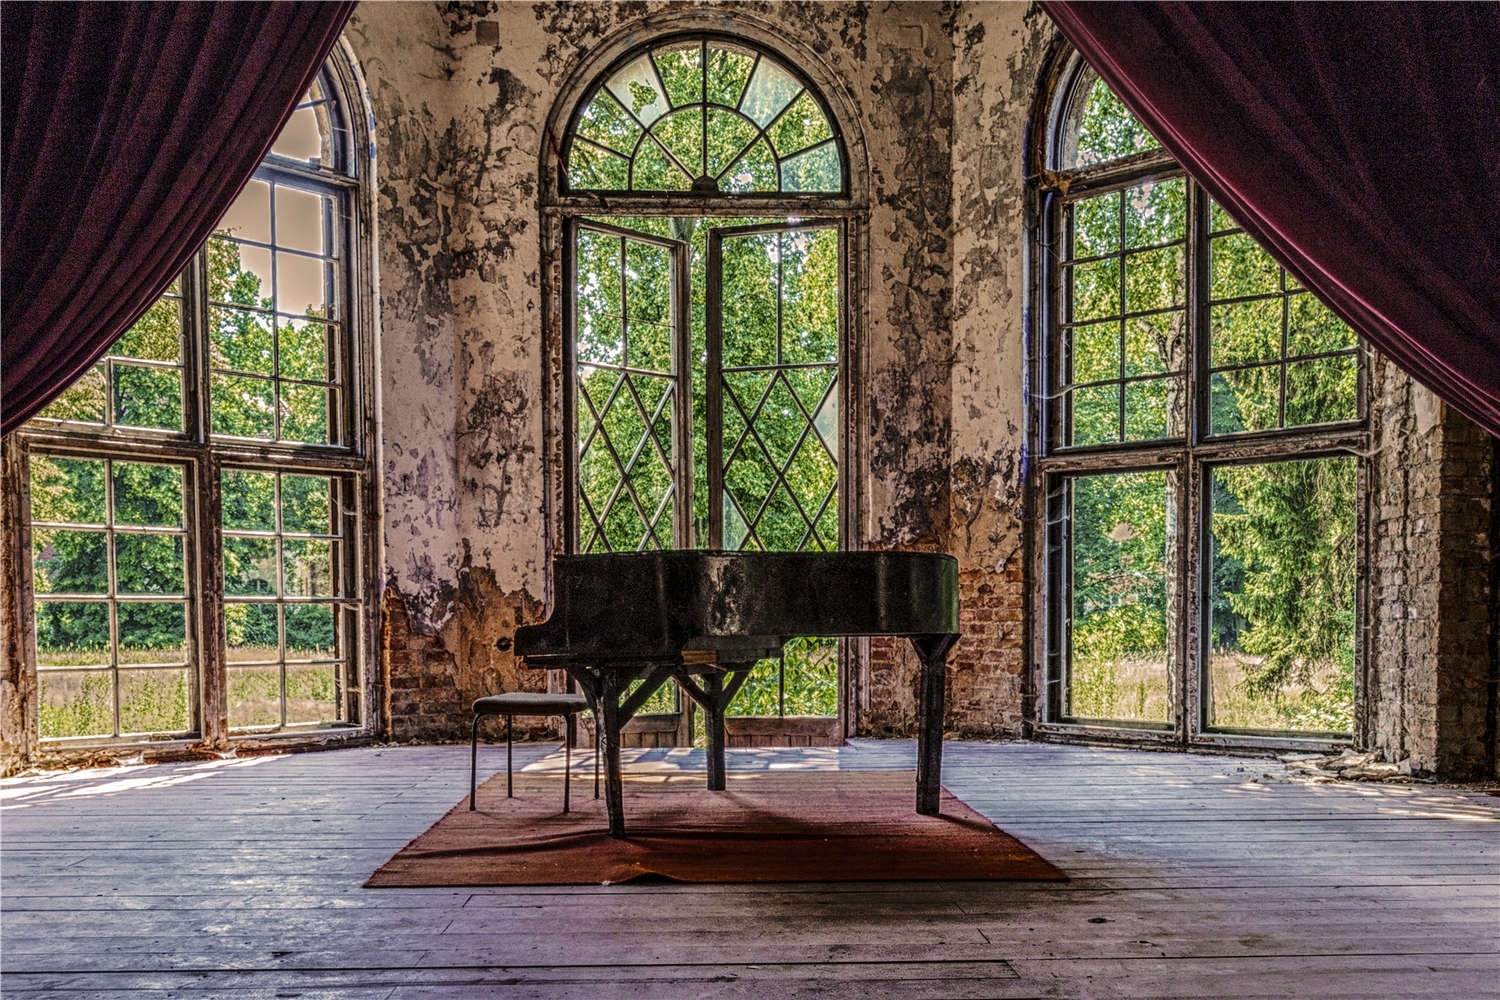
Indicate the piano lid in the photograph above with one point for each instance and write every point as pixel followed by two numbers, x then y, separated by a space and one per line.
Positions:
pixel 653 605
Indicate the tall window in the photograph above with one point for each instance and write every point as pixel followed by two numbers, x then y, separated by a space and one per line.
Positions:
pixel 196 502
pixel 1201 420
pixel 705 322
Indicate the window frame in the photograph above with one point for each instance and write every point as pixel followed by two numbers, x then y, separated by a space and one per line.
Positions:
pixel 1190 455
pixel 563 209
pixel 348 459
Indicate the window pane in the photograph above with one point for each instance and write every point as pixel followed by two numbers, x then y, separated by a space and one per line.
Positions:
pixel 1105 130
pixel 252 632
pixel 72 633
pixel 250 567
pixel 310 632
pixel 75 703
pixel 308 567
pixel 605 122
pixel 304 351
pixel 86 400
pixel 312 694
pixel 305 413
pixel 1322 390
pixel 301 218
pixel 153 632
pixel 1095 291
pixel 1095 415
pixel 1096 225
pixel 1246 400
pixel 306 505
pixel 67 490
pixel 802 125
pixel 1156 212
pixel 149 564
pixel 636 88
pixel 148 495
pixel 817 169
pixel 254 697
pixel 241 340
pixel 249 218
pixel 1117 650
pixel 1282 609
pixel 147 396
pixel 69 562
pixel 302 285
pixel 154 702
pixel 771 89
pixel 728 72
pixel 1155 280
pixel 243 407
pixel 249 500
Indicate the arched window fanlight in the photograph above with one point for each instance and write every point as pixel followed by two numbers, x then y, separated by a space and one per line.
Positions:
pixel 707 116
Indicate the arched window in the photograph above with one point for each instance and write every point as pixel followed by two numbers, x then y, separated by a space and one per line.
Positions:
pixel 707 115
pixel 703 324
pixel 195 554
pixel 1201 418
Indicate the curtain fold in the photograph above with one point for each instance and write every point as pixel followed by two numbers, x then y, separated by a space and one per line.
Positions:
pixel 127 130
pixel 1359 143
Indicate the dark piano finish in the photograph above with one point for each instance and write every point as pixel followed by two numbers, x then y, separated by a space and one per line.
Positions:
pixel 705 618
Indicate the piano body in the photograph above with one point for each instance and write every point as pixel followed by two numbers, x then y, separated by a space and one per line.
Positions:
pixel 705 617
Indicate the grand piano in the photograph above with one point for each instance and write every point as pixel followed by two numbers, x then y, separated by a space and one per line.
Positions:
pixel 704 618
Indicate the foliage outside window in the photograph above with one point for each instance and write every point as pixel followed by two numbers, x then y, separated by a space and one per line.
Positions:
pixel 706 341
pixel 1201 414
pixel 703 115
pixel 243 376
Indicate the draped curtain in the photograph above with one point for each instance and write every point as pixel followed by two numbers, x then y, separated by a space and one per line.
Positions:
pixel 1359 143
pixel 127 131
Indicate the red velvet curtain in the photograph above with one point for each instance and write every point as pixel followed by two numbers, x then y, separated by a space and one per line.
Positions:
pixel 127 131
pixel 1360 143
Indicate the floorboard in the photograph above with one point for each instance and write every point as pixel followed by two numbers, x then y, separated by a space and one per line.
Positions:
pixel 1191 876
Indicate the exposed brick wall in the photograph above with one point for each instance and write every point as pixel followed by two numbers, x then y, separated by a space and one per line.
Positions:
pixel 429 687
pixel 1431 663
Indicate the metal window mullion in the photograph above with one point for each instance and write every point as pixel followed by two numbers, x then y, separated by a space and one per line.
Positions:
pixel 112 590
pixel 713 296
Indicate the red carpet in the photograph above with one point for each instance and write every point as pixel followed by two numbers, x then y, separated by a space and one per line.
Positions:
pixel 788 826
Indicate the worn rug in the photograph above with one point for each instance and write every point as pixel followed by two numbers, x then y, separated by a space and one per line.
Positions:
pixel 788 826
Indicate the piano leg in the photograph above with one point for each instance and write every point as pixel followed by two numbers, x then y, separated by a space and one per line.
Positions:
pixel 930 726
pixel 602 687
pixel 713 694
pixel 713 722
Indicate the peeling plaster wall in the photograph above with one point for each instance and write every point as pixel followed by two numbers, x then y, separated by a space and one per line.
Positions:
pixel 999 48
pixel 461 94
pixel 458 128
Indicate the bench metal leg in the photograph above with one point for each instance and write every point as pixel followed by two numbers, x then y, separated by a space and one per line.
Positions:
pixel 473 760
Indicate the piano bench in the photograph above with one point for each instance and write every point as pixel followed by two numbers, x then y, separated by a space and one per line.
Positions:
pixel 528 703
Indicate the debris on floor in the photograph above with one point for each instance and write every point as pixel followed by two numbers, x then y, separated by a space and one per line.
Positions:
pixel 1346 765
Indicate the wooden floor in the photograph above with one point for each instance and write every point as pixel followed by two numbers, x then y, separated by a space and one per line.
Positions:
pixel 1191 876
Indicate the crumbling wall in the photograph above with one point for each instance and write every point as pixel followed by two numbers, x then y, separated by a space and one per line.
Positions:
pixel 461 94
pixel 1430 675
pixel 999 49
pixel 460 368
